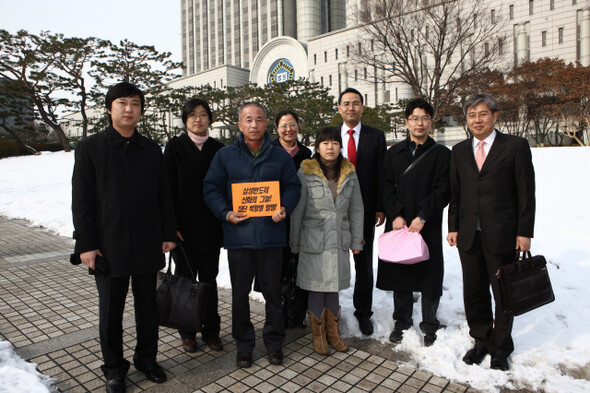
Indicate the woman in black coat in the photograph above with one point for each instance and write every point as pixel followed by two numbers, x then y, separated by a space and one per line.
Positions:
pixel 188 157
pixel 287 123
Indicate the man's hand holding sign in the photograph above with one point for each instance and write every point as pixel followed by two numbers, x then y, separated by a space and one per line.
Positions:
pixel 256 199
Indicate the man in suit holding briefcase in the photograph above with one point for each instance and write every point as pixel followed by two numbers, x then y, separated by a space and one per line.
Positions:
pixel 491 213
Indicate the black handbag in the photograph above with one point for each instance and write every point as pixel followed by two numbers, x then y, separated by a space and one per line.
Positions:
pixel 524 284
pixel 289 283
pixel 181 301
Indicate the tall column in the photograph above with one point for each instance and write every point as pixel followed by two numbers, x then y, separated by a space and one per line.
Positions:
pixel 337 15
pixel 343 72
pixel 308 19
pixel 521 43
pixel 585 37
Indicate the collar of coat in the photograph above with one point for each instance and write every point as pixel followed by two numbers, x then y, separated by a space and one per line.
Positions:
pixel 312 167
pixel 117 139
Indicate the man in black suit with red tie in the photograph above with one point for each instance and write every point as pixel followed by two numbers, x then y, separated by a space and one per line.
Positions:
pixel 491 213
pixel 364 146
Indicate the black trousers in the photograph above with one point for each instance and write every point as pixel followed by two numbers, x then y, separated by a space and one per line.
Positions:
pixel 403 304
pixel 362 297
pixel 112 292
pixel 205 265
pixel 265 265
pixel 491 331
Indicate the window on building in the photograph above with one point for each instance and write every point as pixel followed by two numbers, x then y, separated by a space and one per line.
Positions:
pixel 221 84
pixel 531 7
pixel 543 38
pixel 325 56
pixel 574 2
pixel 372 45
pixel 487 49
pixel 387 97
pixel 500 46
pixel 315 59
pixel 493 16
pixel 336 53
pixel 347 50
pixel 365 72
pixel 322 80
pixel 356 75
pixel 366 97
pixel 560 35
pixel 511 11
pixel 330 80
pixel 359 48
pixel 551 5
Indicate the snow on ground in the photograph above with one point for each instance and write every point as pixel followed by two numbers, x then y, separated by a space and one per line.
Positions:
pixel 552 344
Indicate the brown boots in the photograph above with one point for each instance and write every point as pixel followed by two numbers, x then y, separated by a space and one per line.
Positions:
pixel 326 330
pixel 318 329
pixel 333 331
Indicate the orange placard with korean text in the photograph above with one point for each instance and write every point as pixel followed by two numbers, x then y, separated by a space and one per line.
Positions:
pixel 256 199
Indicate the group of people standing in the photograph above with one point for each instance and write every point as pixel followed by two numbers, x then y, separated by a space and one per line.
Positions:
pixel 131 204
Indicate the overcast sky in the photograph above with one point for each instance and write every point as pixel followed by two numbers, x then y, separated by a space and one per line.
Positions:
pixel 145 22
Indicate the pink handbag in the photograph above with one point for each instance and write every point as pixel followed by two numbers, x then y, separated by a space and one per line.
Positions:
pixel 403 246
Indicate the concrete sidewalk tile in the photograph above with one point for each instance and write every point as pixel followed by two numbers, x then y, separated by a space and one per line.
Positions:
pixel 49 312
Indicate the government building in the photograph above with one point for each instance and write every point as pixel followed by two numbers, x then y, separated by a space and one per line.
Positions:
pixel 235 42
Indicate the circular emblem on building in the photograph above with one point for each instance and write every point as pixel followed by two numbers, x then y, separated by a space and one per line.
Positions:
pixel 281 71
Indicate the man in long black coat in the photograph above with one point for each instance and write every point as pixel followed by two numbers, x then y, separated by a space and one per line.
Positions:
pixel 416 199
pixel 124 223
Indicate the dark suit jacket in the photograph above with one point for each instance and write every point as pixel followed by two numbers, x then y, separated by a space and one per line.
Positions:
pixel 502 195
pixel 369 169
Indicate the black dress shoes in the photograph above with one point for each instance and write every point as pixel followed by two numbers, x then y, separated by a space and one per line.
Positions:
pixel 116 385
pixel 189 345
pixel 429 339
pixel 214 344
pixel 396 336
pixel 499 362
pixel 244 359
pixel 475 355
pixel 155 374
pixel 365 325
pixel 276 357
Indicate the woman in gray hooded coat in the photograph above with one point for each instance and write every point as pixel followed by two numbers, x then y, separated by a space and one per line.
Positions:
pixel 325 225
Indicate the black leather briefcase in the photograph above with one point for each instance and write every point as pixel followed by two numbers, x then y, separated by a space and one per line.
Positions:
pixel 524 284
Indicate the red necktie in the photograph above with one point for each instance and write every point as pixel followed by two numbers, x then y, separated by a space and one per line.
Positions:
pixel 351 148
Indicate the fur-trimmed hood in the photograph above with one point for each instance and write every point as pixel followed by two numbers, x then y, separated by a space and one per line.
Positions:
pixel 312 167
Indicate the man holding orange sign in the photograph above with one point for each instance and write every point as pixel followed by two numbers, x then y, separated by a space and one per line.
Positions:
pixel 251 187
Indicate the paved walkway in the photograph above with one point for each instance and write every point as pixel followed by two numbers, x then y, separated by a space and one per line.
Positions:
pixel 49 312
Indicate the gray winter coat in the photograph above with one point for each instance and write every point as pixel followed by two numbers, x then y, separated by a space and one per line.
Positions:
pixel 323 231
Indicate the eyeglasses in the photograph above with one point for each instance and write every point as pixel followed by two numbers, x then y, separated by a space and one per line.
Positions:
pixel 285 125
pixel 346 104
pixel 415 119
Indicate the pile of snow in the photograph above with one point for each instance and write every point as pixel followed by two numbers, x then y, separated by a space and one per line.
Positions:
pixel 19 376
pixel 552 344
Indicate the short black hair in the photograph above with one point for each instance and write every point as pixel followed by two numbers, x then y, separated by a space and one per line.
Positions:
pixel 286 112
pixel 123 89
pixel 191 104
pixel 350 90
pixel 419 103
pixel 329 134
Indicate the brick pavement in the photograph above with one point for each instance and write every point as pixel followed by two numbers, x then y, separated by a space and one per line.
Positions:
pixel 48 311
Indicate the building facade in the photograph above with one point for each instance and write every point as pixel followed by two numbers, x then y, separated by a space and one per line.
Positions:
pixel 233 42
